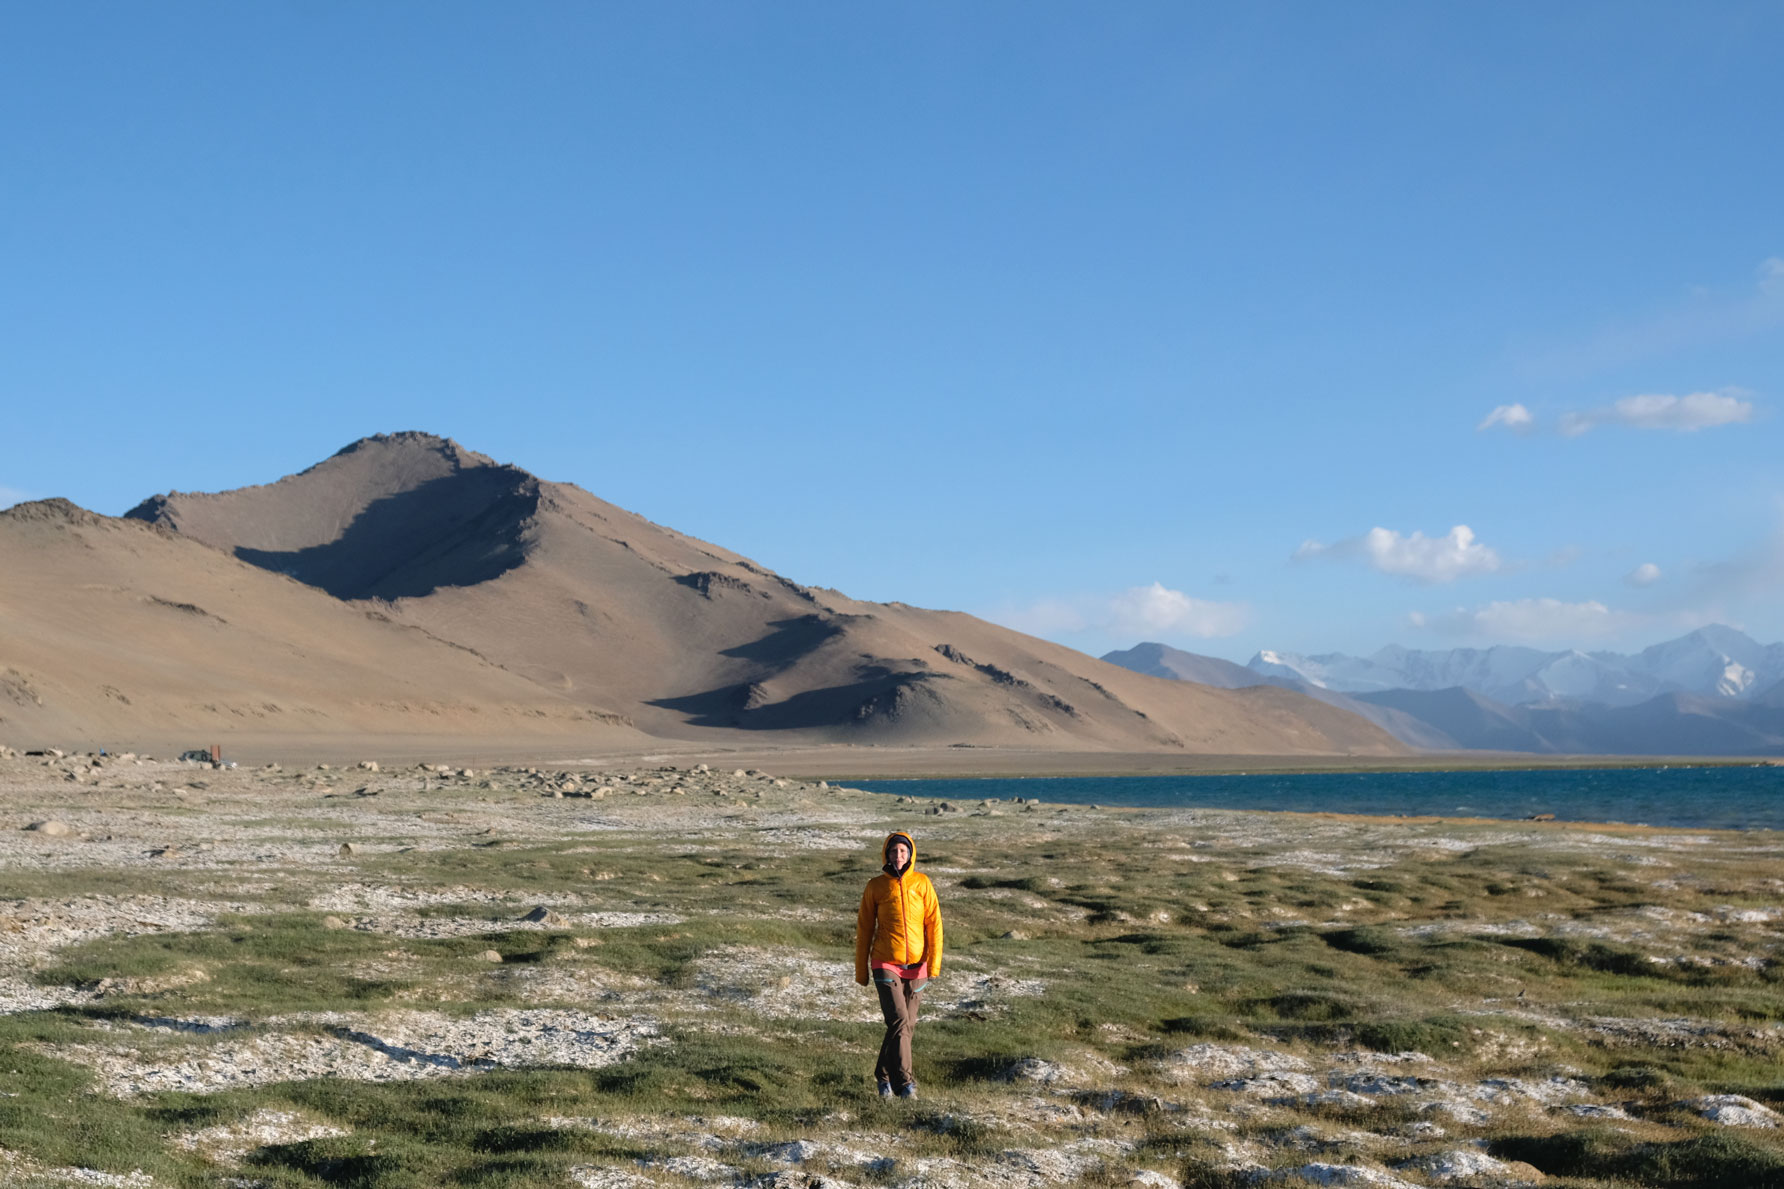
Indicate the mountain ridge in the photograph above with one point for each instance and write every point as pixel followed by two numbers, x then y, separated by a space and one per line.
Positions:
pixel 1715 660
pixel 598 609
pixel 1457 717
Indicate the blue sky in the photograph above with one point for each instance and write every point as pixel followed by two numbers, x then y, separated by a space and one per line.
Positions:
pixel 1111 322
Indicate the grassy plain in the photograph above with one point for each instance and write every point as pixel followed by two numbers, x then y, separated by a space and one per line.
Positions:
pixel 318 977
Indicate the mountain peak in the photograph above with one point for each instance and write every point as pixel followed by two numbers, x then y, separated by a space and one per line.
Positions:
pixel 414 441
pixel 55 509
pixel 1724 639
pixel 388 516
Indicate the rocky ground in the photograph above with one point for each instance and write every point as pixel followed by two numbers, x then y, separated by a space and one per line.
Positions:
pixel 635 977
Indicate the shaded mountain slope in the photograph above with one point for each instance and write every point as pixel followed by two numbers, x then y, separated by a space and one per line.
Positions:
pixel 1671 724
pixel 1472 721
pixel 602 606
pixel 115 629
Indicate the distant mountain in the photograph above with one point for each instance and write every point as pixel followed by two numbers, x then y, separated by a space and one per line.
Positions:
pixel 1715 662
pixel 1161 660
pixel 1453 718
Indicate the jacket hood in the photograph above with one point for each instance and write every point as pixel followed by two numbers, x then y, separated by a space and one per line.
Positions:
pixel 886 848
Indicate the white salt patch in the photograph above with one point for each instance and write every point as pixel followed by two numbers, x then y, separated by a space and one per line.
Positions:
pixel 1734 1110
pixel 1463 1164
pixel 591 1176
pixel 228 1143
pixel 1203 1061
pixel 396 1046
pixel 22 1165
pixel 1275 1083
pixel 1319 1173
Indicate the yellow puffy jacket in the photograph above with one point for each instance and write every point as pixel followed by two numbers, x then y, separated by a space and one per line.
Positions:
pixel 900 919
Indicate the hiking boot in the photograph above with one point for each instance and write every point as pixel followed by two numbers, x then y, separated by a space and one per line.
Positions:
pixel 908 1090
pixel 885 1089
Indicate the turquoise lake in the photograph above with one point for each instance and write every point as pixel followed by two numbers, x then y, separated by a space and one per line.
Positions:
pixel 1749 798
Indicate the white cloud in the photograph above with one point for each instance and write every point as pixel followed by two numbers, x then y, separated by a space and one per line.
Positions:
pixel 1516 418
pixel 1142 611
pixel 1646 574
pixel 1532 621
pixel 1681 414
pixel 1424 559
pixel 1157 608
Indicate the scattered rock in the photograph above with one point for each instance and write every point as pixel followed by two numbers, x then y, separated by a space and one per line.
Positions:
pixel 1033 1069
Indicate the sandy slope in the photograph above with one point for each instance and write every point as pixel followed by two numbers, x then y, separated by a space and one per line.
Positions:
pixel 115 631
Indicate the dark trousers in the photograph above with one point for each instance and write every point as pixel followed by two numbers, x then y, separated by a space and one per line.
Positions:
pixel 898 1004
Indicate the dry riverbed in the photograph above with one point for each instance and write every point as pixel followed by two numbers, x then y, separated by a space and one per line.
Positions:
pixel 313 976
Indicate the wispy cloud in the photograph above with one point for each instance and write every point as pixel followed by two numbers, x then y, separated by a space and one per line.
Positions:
pixel 1701 316
pixel 12 495
pixel 1754 573
pixel 1646 574
pixel 1527 621
pixel 1141 611
pixel 1516 418
pixel 1681 414
pixel 1655 410
pixel 1454 555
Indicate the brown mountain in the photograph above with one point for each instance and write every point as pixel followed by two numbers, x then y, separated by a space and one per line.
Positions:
pixel 118 632
pixel 602 608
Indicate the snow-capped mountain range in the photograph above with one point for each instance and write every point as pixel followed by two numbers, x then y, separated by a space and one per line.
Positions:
pixel 1713 692
pixel 1712 662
